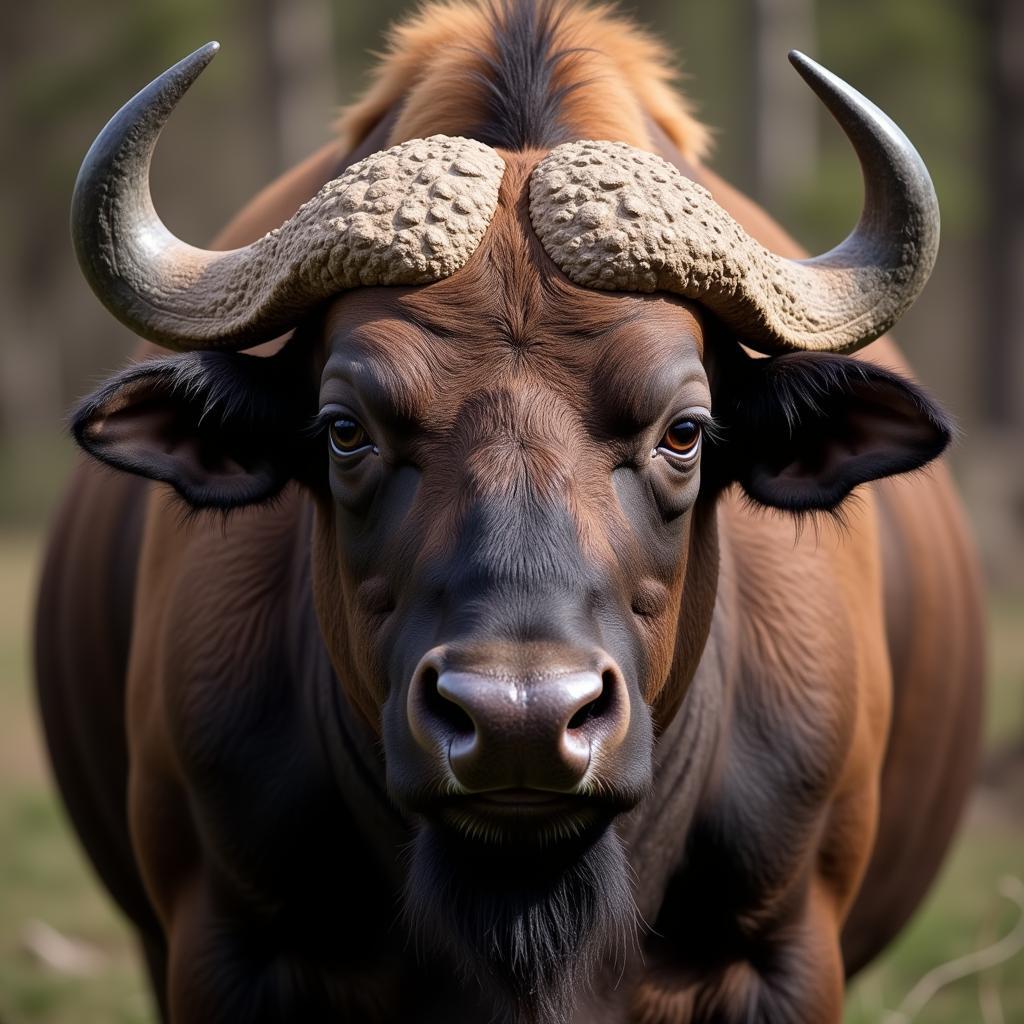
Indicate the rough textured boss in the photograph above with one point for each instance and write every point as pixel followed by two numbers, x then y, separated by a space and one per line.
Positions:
pixel 499 641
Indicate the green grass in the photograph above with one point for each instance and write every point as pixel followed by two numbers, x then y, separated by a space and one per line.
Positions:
pixel 44 877
pixel 964 913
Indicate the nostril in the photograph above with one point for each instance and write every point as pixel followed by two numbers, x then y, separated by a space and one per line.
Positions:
pixel 597 707
pixel 584 714
pixel 445 711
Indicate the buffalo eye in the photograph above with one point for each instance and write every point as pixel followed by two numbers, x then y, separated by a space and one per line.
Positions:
pixel 681 441
pixel 347 438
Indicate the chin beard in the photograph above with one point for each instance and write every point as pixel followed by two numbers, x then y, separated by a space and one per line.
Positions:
pixel 530 925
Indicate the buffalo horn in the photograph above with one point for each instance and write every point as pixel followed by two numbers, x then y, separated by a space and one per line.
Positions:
pixel 618 218
pixel 408 215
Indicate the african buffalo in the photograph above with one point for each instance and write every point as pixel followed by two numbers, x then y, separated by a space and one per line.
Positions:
pixel 520 653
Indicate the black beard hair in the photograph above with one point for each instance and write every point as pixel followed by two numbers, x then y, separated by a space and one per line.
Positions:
pixel 529 925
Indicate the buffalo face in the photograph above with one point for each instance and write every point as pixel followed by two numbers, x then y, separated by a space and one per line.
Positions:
pixel 509 559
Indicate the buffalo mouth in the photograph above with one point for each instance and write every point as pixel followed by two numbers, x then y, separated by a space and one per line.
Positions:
pixel 521 816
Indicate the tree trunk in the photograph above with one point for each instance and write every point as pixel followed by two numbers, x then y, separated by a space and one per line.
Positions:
pixel 783 111
pixel 1002 339
pixel 295 39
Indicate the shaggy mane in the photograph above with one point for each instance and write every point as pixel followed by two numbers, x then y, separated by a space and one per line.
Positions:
pixel 522 74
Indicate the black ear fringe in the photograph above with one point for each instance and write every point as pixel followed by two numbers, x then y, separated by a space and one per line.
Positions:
pixel 802 382
pixel 229 392
pixel 763 402
pixel 819 521
pixel 189 516
pixel 230 387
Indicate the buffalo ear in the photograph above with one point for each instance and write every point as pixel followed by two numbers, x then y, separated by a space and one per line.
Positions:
pixel 223 429
pixel 805 429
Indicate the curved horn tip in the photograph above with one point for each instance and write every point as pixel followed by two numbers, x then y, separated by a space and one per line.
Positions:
pixel 196 62
pixel 113 181
pixel 206 52
pixel 800 60
pixel 180 77
pixel 838 95
pixel 817 76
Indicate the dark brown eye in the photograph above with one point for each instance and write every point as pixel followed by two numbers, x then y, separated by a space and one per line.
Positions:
pixel 682 439
pixel 348 438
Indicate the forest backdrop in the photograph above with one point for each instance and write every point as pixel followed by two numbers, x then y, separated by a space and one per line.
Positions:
pixel 949 72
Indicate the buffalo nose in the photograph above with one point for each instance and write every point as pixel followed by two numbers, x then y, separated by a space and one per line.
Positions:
pixel 501 730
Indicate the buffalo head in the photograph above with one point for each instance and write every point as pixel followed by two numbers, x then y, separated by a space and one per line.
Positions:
pixel 514 453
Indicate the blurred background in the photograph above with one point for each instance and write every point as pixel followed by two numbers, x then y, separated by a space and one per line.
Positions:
pixel 950 72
